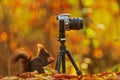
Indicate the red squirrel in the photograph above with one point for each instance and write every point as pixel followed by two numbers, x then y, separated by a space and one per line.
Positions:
pixel 37 63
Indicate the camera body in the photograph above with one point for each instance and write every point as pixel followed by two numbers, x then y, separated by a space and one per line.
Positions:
pixel 70 23
pixel 66 23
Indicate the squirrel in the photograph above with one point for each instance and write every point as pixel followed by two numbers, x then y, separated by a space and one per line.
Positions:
pixel 37 63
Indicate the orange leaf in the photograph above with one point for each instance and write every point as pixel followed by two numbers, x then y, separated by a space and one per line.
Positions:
pixel 98 53
pixel 4 36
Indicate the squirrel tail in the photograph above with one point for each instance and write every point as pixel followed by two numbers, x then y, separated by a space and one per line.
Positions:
pixel 24 59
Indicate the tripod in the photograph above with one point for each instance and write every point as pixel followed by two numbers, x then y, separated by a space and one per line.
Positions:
pixel 63 23
pixel 61 58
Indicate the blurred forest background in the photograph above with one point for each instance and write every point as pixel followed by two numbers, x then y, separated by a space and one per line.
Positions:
pixel 95 49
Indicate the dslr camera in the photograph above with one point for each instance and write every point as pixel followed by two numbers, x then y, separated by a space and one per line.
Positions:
pixel 66 23
pixel 69 23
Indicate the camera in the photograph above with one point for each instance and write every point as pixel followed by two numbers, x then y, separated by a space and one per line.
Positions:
pixel 67 23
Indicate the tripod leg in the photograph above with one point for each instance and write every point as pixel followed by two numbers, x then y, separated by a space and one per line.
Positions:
pixel 73 63
pixel 63 63
pixel 59 62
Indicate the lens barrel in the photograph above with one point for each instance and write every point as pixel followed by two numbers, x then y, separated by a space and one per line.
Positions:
pixel 75 23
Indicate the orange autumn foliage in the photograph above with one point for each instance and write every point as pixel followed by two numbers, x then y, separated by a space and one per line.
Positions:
pixel 4 36
pixel 98 53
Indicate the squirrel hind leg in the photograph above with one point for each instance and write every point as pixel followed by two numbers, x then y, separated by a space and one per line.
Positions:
pixel 41 70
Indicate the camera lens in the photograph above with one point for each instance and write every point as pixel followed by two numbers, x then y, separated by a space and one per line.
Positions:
pixel 75 23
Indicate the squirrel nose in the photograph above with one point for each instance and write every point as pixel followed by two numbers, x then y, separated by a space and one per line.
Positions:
pixel 50 59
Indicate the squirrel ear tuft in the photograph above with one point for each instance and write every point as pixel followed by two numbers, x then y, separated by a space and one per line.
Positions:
pixel 39 47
